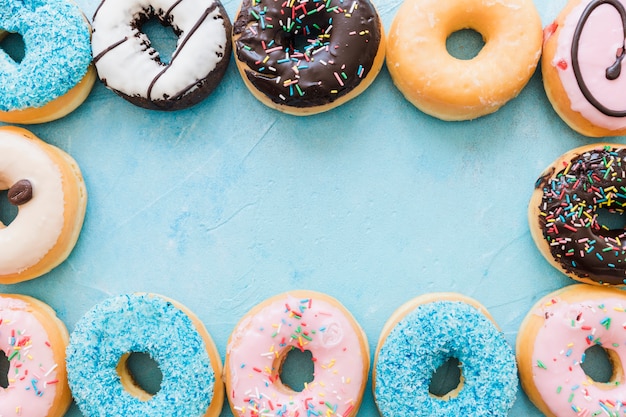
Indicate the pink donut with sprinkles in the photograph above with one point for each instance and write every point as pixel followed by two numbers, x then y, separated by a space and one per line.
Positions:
pixel 553 349
pixel 307 321
pixel 32 342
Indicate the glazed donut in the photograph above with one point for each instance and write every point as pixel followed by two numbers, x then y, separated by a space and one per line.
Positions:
pixel 173 336
pixel 420 337
pixel 33 341
pixel 304 320
pixel 128 65
pixel 565 214
pixel 304 57
pixel 581 66
pixel 551 346
pixel 453 89
pixel 55 76
pixel 47 186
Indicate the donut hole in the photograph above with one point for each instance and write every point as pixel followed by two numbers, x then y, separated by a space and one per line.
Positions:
pixel 300 41
pixel 13 44
pixel 602 365
pixel 611 219
pixel 4 370
pixel 447 380
pixel 465 44
pixel 161 35
pixel 296 369
pixel 140 375
pixel 8 212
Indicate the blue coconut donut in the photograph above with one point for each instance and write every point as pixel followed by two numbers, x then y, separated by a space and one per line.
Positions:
pixel 55 75
pixel 174 338
pixel 423 335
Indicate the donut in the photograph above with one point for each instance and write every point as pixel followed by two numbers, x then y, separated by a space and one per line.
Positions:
pixel 32 341
pixel 567 212
pixel 303 57
pixel 307 321
pixel 552 343
pixel 581 66
pixel 128 65
pixel 448 88
pixel 424 334
pixel 46 185
pixel 175 339
pixel 55 76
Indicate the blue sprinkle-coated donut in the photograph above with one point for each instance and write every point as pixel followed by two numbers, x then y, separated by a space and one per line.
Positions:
pixel 57 51
pixel 139 323
pixel 425 339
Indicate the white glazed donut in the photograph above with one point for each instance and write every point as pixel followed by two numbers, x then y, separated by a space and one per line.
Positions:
pixel 128 65
pixel 49 222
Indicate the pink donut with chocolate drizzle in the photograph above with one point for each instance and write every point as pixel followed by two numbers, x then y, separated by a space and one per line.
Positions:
pixel 307 321
pixel 582 66
pixel 129 65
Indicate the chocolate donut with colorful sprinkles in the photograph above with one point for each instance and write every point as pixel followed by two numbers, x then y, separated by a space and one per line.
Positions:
pixel 305 57
pixel 574 214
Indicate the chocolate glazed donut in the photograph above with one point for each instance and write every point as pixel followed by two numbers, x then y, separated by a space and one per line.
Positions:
pixel 303 53
pixel 566 217
pixel 128 65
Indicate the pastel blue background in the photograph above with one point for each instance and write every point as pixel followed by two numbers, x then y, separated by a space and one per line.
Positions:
pixel 229 202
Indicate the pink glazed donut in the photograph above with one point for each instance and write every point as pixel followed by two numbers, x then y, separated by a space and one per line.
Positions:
pixel 551 347
pixel 581 66
pixel 33 341
pixel 307 321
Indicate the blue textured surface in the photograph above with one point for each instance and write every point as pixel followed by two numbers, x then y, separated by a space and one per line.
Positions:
pixel 424 340
pixel 138 323
pixel 229 202
pixel 57 54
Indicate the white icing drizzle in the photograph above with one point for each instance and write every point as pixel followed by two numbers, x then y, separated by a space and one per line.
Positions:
pixel 126 62
pixel 39 222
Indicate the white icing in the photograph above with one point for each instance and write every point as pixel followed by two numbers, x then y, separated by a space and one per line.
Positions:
pixel 130 68
pixel 39 222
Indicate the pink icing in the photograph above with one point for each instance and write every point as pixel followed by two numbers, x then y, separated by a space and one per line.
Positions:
pixel 569 329
pixel 600 41
pixel 308 324
pixel 32 370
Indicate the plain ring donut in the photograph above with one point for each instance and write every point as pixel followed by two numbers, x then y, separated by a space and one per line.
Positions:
pixel 170 334
pixel 453 89
pixel 128 64
pixel 46 185
pixel 421 336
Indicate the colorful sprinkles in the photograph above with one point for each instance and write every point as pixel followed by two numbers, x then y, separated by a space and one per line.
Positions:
pixel 307 52
pixel 32 374
pixel 259 346
pixel 568 331
pixel 571 214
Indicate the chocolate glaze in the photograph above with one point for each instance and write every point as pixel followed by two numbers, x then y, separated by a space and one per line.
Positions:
pixel 572 198
pixel 613 71
pixel 20 193
pixel 332 43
